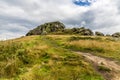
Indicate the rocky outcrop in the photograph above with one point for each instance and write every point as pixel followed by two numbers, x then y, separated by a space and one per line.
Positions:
pixel 117 34
pixel 82 31
pixel 47 28
pixel 59 28
pixel 99 34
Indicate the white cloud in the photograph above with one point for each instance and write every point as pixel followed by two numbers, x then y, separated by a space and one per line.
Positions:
pixel 19 15
pixel 9 35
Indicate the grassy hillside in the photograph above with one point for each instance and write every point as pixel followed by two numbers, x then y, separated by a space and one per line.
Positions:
pixel 107 47
pixel 51 57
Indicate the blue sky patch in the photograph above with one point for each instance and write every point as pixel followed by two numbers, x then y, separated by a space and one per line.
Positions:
pixel 83 2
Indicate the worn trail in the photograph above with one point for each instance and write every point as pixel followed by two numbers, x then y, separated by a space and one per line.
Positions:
pixel 114 74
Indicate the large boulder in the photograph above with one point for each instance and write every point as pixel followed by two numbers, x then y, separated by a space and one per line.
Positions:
pixel 84 31
pixel 117 34
pixel 47 28
pixel 99 33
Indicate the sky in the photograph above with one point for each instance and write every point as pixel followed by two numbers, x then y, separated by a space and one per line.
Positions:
pixel 17 17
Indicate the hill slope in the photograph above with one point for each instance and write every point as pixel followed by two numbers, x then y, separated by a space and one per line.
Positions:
pixel 53 57
pixel 42 58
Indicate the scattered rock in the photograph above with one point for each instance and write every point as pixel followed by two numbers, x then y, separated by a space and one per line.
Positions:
pixel 82 31
pixel 117 34
pixel 99 34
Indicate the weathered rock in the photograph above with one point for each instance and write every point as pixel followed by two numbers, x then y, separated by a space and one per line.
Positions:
pixel 47 28
pixel 99 34
pixel 117 34
pixel 83 31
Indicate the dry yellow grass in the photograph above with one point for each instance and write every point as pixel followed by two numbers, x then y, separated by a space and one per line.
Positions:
pixel 98 44
pixel 102 46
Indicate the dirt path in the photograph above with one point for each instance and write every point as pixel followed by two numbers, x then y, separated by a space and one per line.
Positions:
pixel 114 68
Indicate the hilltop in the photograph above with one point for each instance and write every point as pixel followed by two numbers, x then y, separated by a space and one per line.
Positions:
pixel 58 27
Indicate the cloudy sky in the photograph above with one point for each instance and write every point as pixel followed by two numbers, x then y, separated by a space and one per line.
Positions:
pixel 17 17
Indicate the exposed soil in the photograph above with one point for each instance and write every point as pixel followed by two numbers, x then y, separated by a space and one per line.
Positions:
pixel 110 69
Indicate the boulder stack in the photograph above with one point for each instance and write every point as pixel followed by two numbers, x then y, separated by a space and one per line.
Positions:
pixel 47 28
pixel 99 33
pixel 117 34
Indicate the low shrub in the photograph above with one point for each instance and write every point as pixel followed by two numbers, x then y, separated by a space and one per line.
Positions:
pixel 104 69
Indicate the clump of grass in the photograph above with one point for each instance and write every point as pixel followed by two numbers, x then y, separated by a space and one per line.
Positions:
pixel 86 46
pixel 14 56
pixel 104 69
pixel 76 38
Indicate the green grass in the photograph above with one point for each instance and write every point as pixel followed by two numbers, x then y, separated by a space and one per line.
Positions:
pixel 107 47
pixel 42 58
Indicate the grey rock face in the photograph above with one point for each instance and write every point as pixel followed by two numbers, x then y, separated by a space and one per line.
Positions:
pixel 117 34
pixel 47 28
pixel 99 34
